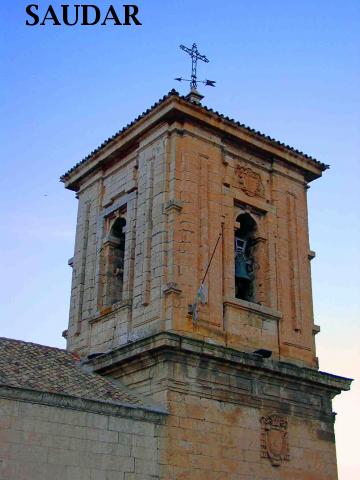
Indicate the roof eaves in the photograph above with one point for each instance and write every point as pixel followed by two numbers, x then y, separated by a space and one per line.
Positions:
pixel 231 121
pixel 257 133
pixel 35 367
pixel 111 139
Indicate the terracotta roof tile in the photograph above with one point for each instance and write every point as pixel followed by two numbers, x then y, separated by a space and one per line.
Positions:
pixel 47 369
pixel 173 92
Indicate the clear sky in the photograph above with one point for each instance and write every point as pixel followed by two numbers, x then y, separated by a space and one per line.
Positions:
pixel 290 69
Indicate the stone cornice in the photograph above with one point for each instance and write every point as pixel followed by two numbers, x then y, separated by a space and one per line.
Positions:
pixel 173 107
pixel 148 414
pixel 249 306
pixel 174 342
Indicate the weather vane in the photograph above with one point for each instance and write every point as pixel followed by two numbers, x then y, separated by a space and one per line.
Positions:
pixel 195 56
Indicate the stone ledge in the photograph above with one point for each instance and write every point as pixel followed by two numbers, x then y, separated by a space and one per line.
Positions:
pixel 175 342
pixel 258 204
pixel 253 307
pixel 173 205
pixel 108 311
pixel 172 287
pixel 311 254
pixel 148 414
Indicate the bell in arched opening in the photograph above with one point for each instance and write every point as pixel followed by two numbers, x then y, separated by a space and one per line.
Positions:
pixel 116 261
pixel 244 274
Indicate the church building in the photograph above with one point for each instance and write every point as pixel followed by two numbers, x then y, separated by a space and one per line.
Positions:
pixel 191 339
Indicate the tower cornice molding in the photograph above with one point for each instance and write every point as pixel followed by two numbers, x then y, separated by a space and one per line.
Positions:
pixel 173 107
pixel 107 362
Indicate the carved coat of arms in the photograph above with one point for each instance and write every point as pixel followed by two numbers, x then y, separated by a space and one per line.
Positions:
pixel 250 181
pixel 274 439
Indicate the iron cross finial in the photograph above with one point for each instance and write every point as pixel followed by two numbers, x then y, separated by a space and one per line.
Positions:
pixel 195 56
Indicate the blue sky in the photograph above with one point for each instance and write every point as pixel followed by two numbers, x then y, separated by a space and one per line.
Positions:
pixel 288 69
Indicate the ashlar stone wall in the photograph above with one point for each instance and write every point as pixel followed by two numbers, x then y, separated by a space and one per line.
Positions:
pixel 135 187
pixel 40 442
pixel 179 187
pixel 232 415
pixel 216 180
pixel 208 439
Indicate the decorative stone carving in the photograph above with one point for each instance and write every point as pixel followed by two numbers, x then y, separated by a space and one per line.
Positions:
pixel 250 181
pixel 274 439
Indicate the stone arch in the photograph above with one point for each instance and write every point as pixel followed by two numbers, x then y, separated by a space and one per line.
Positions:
pixel 115 261
pixel 244 239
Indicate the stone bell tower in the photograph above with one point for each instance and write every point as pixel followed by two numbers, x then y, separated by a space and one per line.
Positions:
pixel 239 367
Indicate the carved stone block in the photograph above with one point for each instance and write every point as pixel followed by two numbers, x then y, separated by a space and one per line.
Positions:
pixel 274 439
pixel 250 181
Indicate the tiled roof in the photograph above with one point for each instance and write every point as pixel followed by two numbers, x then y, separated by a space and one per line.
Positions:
pixel 174 93
pixel 47 369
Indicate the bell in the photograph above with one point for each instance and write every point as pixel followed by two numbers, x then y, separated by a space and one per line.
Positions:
pixel 241 269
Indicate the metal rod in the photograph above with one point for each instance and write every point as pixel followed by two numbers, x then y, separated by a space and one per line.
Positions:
pixel 212 256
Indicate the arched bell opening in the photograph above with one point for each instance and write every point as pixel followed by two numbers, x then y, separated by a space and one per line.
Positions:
pixel 115 264
pixel 244 261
